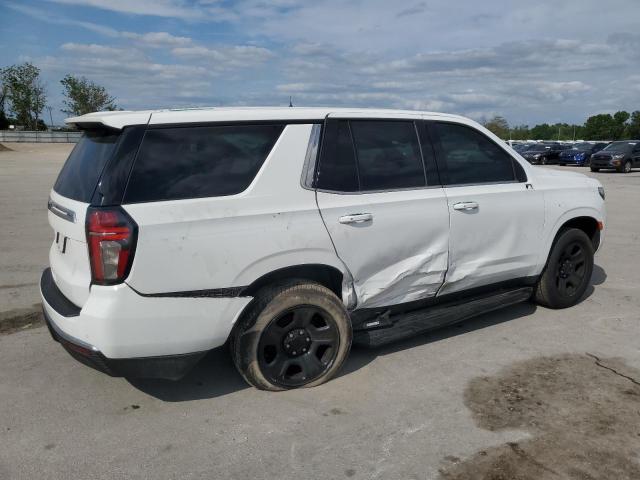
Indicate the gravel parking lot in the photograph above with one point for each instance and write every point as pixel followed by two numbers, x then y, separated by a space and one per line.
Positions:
pixel 526 393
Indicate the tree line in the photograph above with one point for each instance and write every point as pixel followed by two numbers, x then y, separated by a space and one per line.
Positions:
pixel 23 97
pixel 621 125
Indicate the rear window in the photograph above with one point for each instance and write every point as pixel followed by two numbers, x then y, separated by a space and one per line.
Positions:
pixel 79 175
pixel 195 162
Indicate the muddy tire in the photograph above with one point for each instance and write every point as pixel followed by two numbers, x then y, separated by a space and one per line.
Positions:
pixel 568 270
pixel 295 334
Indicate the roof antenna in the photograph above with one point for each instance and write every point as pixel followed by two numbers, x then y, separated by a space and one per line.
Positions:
pixel 290 102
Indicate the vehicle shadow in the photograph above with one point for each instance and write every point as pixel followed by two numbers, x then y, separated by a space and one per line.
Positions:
pixel 216 376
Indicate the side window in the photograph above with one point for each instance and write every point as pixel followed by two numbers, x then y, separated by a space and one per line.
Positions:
pixel 471 157
pixel 388 155
pixel 337 170
pixel 195 162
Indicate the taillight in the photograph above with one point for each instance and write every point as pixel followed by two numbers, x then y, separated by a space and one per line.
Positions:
pixel 111 236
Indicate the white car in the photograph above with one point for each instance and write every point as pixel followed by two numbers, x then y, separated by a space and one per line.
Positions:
pixel 289 233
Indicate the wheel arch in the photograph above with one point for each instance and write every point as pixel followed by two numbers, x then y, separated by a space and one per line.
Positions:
pixel 326 275
pixel 587 224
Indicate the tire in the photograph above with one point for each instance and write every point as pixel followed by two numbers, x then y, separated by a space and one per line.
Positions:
pixel 568 270
pixel 595 169
pixel 294 334
pixel 543 161
pixel 627 167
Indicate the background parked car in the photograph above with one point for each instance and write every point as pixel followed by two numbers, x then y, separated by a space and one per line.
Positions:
pixel 544 153
pixel 580 153
pixel 621 156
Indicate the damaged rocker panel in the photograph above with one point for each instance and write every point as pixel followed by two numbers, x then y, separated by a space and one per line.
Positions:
pixel 379 326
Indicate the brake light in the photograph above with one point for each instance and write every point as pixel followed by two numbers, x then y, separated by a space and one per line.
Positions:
pixel 111 237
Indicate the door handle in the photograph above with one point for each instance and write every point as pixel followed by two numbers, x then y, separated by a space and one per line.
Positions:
pixel 356 218
pixel 465 206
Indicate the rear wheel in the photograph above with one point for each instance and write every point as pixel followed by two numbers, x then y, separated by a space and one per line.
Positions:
pixel 296 334
pixel 568 270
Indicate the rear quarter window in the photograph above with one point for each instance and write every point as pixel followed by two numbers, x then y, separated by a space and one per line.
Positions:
pixel 79 175
pixel 195 162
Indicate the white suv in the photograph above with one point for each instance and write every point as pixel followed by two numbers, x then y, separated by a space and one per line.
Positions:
pixel 288 233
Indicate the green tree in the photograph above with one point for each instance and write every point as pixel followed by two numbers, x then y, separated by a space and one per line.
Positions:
pixel 520 132
pixel 620 124
pixel 499 126
pixel 633 127
pixel 543 131
pixel 84 96
pixel 25 93
pixel 600 127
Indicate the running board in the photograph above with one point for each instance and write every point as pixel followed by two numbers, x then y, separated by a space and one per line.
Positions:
pixel 419 321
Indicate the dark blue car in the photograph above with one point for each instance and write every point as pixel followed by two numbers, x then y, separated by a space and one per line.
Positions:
pixel 580 154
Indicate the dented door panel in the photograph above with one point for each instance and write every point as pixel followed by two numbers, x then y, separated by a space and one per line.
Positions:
pixel 397 255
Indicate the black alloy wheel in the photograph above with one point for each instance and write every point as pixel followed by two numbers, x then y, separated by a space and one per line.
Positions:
pixel 298 346
pixel 571 269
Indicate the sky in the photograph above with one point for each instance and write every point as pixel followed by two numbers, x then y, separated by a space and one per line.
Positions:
pixel 530 61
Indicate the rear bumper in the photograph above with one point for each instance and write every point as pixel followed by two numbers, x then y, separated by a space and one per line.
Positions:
pixel 170 367
pixel 122 333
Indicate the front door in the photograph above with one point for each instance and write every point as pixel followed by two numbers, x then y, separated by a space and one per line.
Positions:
pixel 388 225
pixel 497 215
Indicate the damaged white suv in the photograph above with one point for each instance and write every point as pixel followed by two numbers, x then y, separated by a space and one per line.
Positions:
pixel 290 233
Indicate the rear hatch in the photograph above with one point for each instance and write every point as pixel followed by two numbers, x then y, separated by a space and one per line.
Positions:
pixel 68 203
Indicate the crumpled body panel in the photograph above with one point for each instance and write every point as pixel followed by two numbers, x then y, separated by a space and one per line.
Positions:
pixel 413 278
pixel 401 253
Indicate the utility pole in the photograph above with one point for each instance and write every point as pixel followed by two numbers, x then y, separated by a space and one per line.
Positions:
pixel 50 117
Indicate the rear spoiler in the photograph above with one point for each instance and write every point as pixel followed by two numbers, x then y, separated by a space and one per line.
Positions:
pixel 109 120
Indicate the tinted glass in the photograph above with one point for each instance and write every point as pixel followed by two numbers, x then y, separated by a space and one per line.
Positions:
pixel 78 178
pixel 388 155
pixel 471 157
pixel 337 170
pixel 624 147
pixel 195 162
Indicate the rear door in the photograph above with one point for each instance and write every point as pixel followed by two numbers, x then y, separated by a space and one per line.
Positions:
pixel 497 215
pixel 68 203
pixel 386 214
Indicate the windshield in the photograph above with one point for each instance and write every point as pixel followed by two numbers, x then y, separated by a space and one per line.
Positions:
pixel 624 147
pixel 582 146
pixel 79 175
pixel 532 148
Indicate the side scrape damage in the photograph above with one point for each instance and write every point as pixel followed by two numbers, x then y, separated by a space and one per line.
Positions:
pixel 414 278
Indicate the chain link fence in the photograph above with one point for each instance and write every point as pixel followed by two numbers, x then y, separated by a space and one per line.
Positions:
pixel 24 136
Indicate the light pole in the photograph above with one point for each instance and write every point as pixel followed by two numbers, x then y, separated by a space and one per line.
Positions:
pixel 50 117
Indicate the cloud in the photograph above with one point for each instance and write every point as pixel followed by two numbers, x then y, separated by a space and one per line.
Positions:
pixel 414 10
pixel 222 58
pixel 157 39
pixel 159 8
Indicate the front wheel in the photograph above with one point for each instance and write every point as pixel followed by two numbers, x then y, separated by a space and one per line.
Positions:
pixel 626 167
pixel 595 169
pixel 295 334
pixel 568 271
